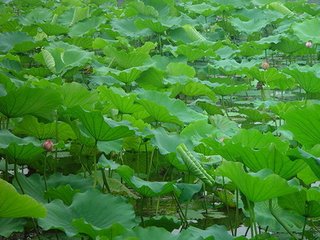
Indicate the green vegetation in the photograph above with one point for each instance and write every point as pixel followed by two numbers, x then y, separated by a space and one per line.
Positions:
pixel 159 119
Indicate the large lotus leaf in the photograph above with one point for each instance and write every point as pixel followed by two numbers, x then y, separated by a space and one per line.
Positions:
pixel 212 232
pixel 188 190
pixel 60 57
pixel 196 131
pixel 225 90
pixel 198 89
pixel 30 101
pixel 20 149
pixel 15 205
pixel 155 25
pixel 11 225
pixel 124 102
pixel 203 9
pixel 99 210
pixel 126 76
pixel 255 139
pixel 95 125
pixel 288 45
pixel 272 77
pixel 36 15
pixel 308 80
pixel 147 233
pixel 257 187
pixel 75 94
pixel 139 8
pixel 250 26
pixel 254 115
pixel 35 187
pixel 81 28
pixel 145 188
pixel 126 27
pixel 232 66
pixel 155 101
pixel 306 202
pixel 129 59
pixel 304 123
pixel 9 39
pixel 308 30
pixel 30 126
pixel 53 29
pixel 265 219
pixel 166 142
pixel 268 157
pixel 180 68
pixel 224 127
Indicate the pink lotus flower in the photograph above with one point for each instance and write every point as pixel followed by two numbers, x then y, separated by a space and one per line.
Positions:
pixel 265 65
pixel 48 145
pixel 309 44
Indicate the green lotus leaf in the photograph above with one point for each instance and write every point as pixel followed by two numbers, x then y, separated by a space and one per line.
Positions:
pixel 224 127
pixel 9 39
pixel 36 15
pixel 293 220
pixel 163 108
pixel 30 101
pixel 180 68
pixel 268 157
pixel 75 94
pixel 152 24
pixel 250 26
pixel 132 58
pixel 232 66
pixel 30 126
pixel 196 131
pixel 288 45
pixel 95 125
pixel 93 207
pixel 249 49
pixel 11 225
pixel 225 90
pixel 126 76
pixel 198 89
pixel 140 8
pixel 254 115
pixel 306 202
pixel 126 27
pixel 83 27
pixel 203 9
pixel 35 187
pixel 60 57
pixel 166 142
pixel 308 30
pixel 54 29
pixel 15 205
pixel 257 187
pixel 188 191
pixel 145 188
pixel 21 150
pixel 124 102
pixel 215 232
pixel 64 193
pixel 147 233
pixel 304 122
pixel 308 80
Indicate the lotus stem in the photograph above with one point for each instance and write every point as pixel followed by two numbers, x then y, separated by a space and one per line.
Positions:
pixel 227 206
pixel 183 217
pixel 304 227
pixel 237 212
pixel 95 165
pixel 279 220
pixel 44 172
pixel 16 176
pixel 150 164
pixel 105 181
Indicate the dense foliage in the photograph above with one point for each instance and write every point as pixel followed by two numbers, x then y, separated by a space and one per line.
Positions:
pixel 159 119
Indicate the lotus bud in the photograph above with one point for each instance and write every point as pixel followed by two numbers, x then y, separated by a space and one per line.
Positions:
pixel 309 44
pixel 265 65
pixel 48 145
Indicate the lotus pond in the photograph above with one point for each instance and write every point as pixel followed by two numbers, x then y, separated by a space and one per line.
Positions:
pixel 159 119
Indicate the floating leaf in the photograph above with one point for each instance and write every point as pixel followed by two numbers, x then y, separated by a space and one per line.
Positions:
pixel 92 207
